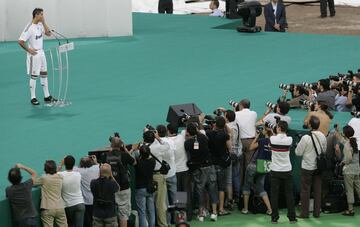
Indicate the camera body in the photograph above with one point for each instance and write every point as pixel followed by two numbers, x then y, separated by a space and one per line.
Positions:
pixel 355 114
pixel 116 134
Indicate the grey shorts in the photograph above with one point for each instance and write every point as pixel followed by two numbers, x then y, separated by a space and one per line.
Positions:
pixel 123 202
pixel 205 180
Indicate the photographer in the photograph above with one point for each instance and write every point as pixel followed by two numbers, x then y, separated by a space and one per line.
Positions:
pixel 322 113
pixel 310 178
pixel 281 109
pixel 353 100
pixel 236 154
pixel 355 124
pixel 19 195
pixel 52 205
pixel 341 99
pixel 120 158
pixel 103 190
pixel 246 120
pixel 325 94
pixel 144 197
pixel 219 146
pixel 170 178
pixel 89 170
pixel 281 172
pixel 202 170
pixel 298 93
pixel 71 192
pixel 158 149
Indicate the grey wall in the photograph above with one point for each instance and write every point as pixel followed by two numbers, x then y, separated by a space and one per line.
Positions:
pixel 73 18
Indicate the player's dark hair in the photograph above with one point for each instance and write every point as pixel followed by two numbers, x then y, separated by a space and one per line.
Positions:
pixel 314 122
pixel 283 125
pixel 349 133
pixel 216 3
pixel 230 115
pixel 69 162
pixel 284 107
pixel 50 167
pixel 14 176
pixel 37 11
pixel 172 129
pixel 161 129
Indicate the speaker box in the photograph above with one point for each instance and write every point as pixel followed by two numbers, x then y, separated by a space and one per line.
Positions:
pixel 177 112
pixel 231 9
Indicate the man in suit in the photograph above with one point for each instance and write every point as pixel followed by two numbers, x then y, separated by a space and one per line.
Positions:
pixel 275 16
pixel 323 6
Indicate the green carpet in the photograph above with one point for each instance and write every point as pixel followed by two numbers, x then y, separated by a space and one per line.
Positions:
pixel 122 84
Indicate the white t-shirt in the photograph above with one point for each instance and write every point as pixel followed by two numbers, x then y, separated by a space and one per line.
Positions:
pixel 305 148
pixel 87 175
pixel 246 120
pixel 271 118
pixel 280 153
pixel 71 188
pixel 34 34
pixel 159 150
pixel 181 157
pixel 355 124
pixel 169 157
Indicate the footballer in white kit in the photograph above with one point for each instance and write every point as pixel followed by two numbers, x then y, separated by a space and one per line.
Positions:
pixel 36 60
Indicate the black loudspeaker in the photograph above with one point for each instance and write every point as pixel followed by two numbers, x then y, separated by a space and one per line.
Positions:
pixel 177 113
pixel 231 9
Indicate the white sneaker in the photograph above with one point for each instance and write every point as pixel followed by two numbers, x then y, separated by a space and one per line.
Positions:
pixel 213 217
pixel 201 218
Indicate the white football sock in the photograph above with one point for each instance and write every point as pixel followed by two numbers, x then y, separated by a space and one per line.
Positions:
pixel 44 84
pixel 32 88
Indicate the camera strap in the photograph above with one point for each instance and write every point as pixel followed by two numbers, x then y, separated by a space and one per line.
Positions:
pixel 152 155
pixel 238 136
pixel 316 150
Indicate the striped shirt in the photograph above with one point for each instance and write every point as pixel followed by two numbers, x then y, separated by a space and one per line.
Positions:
pixel 280 153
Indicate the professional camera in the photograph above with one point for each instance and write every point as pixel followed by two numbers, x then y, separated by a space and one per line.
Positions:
pixel 150 128
pixel 218 112
pixel 185 118
pixel 312 86
pixel 271 105
pixel 209 120
pixel 270 125
pixel 351 83
pixel 233 103
pixel 306 102
pixel 116 134
pixel 289 87
pixel 355 114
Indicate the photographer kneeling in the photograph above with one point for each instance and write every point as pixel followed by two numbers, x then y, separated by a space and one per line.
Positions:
pixel 298 93
pixel 281 109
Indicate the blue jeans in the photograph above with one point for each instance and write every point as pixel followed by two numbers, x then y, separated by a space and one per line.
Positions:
pixel 251 177
pixel 171 184
pixel 146 207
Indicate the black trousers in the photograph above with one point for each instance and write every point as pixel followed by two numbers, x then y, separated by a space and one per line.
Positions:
pixel 166 6
pixel 183 181
pixel 323 7
pixel 88 216
pixel 285 179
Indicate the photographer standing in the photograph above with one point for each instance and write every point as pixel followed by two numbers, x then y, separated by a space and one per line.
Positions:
pixel 103 190
pixel 282 108
pixel 353 99
pixel 236 154
pixel 120 158
pixel 19 195
pixel 202 170
pixel 281 172
pixel 246 120
pixel 158 149
pixel 310 177
pixel 219 146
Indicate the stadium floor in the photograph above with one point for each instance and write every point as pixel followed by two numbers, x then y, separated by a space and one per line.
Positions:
pixel 122 84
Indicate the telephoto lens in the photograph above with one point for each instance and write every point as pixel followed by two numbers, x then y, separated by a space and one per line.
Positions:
pixel 271 105
pixel 285 86
pixel 355 114
pixel 233 103
pixel 270 125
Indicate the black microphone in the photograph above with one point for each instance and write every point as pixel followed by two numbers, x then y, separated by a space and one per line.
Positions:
pixel 57 39
pixel 67 40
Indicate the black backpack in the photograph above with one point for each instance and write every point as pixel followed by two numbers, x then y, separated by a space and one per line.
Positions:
pixel 322 162
pixel 118 170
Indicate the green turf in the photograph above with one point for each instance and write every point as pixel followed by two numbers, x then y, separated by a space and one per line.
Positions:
pixel 121 84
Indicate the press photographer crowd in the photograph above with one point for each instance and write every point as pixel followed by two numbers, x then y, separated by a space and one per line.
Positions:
pixel 206 166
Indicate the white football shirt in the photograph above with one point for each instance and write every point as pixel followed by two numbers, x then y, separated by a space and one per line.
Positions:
pixel 33 33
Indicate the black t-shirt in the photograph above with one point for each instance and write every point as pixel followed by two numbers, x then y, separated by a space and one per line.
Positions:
pixel 356 102
pixel 119 165
pixel 103 190
pixel 217 144
pixel 198 156
pixel 144 172
pixel 20 199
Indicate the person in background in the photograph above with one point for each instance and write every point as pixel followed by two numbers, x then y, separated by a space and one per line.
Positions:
pixel 341 99
pixel 51 205
pixel 325 94
pixel 89 170
pixel 71 193
pixel 281 111
pixel 214 6
pixel 298 93
pixel 103 190
pixel 323 8
pixel 310 178
pixel 19 195
pixel 166 6
pixel 144 195
pixel 275 16
pixel 351 169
